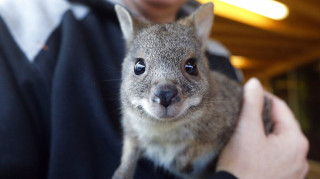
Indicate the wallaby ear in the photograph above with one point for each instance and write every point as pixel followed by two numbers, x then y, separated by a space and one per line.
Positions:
pixel 126 22
pixel 203 20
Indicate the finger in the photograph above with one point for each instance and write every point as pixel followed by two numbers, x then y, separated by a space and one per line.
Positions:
pixel 282 116
pixel 305 170
pixel 253 98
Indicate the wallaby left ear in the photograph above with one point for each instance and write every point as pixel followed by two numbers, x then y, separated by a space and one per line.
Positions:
pixel 129 24
pixel 203 20
pixel 126 22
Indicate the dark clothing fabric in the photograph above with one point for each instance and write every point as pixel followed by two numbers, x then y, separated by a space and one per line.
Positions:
pixel 223 175
pixel 60 114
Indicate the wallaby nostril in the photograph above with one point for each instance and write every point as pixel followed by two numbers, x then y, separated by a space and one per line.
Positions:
pixel 165 95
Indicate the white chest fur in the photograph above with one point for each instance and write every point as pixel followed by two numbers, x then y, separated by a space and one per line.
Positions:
pixel 163 154
pixel 163 143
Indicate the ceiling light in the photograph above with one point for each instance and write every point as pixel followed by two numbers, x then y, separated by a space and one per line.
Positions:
pixel 268 8
pixel 248 12
pixel 239 62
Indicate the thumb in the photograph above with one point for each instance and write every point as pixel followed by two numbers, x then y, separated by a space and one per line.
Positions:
pixel 250 117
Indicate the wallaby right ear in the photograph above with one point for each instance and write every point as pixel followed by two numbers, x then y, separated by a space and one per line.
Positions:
pixel 203 21
pixel 126 22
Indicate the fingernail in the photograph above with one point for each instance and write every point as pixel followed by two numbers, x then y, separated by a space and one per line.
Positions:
pixel 253 83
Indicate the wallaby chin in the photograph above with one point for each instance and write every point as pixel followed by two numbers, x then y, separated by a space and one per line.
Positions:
pixel 175 111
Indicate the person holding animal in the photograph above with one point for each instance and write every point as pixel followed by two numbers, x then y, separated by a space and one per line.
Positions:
pixel 60 65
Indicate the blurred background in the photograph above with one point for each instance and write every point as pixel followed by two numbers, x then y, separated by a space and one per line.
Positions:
pixel 278 42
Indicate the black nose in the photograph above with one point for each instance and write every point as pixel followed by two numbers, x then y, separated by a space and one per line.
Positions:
pixel 165 95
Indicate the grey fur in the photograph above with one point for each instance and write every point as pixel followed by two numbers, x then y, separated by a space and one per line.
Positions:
pixel 196 127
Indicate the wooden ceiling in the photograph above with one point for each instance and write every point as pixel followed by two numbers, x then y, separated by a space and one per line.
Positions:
pixel 272 50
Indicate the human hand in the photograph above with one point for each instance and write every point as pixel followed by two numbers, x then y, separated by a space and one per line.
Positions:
pixel 252 154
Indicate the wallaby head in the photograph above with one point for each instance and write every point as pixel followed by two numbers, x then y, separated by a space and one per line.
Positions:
pixel 165 73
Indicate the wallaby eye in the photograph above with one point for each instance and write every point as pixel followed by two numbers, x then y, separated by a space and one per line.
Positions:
pixel 139 67
pixel 191 66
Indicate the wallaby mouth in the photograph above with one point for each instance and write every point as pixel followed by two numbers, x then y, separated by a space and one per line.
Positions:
pixel 164 112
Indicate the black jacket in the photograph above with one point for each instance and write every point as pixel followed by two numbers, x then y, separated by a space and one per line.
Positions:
pixel 59 109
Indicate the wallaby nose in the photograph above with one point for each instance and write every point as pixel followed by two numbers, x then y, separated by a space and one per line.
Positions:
pixel 165 95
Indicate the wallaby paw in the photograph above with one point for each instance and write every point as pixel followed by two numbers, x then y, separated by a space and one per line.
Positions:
pixel 183 165
pixel 188 169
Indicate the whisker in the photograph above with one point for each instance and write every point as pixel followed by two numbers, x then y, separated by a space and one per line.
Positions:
pixel 109 67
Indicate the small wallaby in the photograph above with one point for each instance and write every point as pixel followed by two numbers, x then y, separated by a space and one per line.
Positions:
pixel 176 112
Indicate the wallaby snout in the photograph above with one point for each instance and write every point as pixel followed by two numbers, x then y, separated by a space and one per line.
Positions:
pixel 166 95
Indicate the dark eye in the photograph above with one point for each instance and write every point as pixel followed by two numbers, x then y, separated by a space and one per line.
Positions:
pixel 139 67
pixel 191 66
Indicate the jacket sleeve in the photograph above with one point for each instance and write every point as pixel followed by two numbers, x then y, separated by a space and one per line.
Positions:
pixel 219 60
